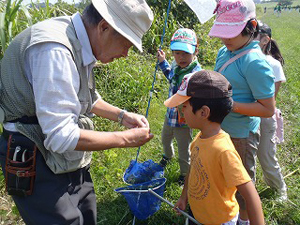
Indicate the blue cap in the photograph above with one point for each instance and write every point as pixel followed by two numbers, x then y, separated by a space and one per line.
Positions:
pixel 184 40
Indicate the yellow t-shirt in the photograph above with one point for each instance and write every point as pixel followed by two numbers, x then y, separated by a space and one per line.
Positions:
pixel 216 169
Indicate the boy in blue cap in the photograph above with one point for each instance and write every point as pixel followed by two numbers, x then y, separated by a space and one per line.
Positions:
pixel 184 49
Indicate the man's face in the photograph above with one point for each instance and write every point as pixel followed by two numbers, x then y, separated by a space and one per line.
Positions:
pixel 109 44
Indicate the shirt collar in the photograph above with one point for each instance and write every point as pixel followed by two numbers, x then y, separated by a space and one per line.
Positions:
pixel 87 53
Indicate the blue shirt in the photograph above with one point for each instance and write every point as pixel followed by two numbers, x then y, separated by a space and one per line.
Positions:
pixel 251 78
pixel 168 71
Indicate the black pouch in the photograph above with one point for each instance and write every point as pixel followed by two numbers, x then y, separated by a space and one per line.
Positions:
pixel 20 165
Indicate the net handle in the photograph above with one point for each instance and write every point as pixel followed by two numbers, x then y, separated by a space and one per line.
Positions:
pixel 154 75
pixel 169 203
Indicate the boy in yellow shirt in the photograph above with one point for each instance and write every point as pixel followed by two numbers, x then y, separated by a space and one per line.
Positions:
pixel 216 170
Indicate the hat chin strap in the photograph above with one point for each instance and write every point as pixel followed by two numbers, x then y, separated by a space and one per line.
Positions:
pixel 249 40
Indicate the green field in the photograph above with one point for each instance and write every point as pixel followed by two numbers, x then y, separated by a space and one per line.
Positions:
pixel 108 166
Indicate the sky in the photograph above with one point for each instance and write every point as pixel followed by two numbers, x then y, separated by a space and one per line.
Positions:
pixel 25 2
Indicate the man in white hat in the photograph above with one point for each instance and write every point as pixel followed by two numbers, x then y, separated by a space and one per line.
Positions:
pixel 47 96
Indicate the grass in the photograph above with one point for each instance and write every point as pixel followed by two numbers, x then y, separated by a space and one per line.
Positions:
pixel 108 166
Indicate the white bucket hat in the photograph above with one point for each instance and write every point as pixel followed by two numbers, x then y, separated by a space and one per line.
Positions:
pixel 131 18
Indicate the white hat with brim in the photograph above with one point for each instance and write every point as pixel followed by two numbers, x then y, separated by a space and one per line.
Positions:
pixel 131 18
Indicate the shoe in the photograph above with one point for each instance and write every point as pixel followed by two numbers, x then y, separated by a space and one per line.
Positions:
pixel 164 161
pixel 282 196
pixel 181 179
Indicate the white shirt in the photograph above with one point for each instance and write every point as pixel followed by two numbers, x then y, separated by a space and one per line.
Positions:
pixel 277 69
pixel 55 81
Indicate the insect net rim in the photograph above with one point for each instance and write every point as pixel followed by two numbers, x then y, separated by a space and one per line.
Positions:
pixel 143 190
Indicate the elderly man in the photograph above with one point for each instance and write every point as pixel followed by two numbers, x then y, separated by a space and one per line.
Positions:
pixel 47 96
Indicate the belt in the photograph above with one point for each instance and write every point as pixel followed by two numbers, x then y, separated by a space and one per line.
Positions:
pixel 26 120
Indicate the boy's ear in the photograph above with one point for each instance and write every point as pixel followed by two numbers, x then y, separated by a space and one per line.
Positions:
pixel 205 112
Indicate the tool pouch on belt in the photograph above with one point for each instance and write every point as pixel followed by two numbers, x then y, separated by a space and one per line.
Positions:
pixel 20 165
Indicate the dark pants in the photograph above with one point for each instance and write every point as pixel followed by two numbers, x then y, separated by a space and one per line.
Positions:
pixel 57 198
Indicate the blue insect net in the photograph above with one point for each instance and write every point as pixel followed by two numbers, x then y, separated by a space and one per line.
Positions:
pixel 141 202
pixel 138 173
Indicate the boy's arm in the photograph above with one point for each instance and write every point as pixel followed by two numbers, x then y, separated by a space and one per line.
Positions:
pixel 163 64
pixel 253 203
pixel 183 200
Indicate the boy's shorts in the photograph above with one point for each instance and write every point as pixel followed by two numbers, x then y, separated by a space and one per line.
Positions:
pixel 231 222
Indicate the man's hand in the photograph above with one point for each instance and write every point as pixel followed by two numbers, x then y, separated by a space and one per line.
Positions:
pixel 91 140
pixel 133 120
pixel 136 137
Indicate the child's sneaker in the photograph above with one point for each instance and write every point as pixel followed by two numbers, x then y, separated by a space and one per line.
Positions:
pixel 164 161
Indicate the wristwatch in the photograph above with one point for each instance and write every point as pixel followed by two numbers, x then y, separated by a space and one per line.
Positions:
pixel 121 116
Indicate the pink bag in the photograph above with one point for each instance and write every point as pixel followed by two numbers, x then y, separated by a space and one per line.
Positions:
pixel 279 129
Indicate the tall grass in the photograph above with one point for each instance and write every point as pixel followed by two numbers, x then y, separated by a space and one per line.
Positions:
pixel 40 13
pixel 15 17
pixel 11 22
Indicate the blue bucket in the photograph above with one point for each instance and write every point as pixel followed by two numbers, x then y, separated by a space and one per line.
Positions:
pixel 141 202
